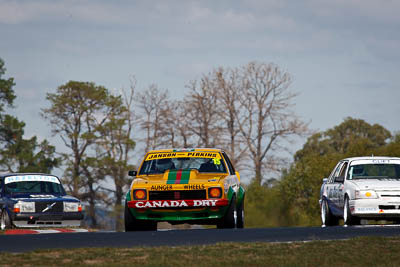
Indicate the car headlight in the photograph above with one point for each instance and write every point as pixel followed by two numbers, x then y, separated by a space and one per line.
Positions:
pixel 365 194
pixel 214 192
pixel 140 194
pixel 24 207
pixel 72 207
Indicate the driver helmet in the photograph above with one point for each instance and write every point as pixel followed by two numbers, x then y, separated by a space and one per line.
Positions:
pixel 358 170
pixel 164 164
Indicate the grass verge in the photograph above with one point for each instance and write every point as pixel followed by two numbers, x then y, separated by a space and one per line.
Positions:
pixel 364 251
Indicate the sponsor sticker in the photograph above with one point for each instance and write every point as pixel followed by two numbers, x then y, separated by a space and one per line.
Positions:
pixel 194 187
pixel 150 204
pixel 367 209
pixel 31 178
pixel 42 196
pixel 168 187
pixel 161 155
pixel 161 187
pixel 382 161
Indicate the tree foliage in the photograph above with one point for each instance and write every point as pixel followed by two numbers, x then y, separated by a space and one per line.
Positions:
pixel 7 94
pixel 18 154
pixel 114 150
pixel 95 126
pixel 24 155
pixel 77 113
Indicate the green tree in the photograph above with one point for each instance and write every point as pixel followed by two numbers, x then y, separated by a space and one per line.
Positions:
pixel 7 95
pixel 263 206
pixel 351 137
pixel 18 154
pixel 393 148
pixel 24 155
pixel 114 150
pixel 77 113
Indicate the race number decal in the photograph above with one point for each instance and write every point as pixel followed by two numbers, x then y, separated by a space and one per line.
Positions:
pixel 217 161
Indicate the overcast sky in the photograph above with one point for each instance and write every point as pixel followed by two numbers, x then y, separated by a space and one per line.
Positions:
pixel 343 55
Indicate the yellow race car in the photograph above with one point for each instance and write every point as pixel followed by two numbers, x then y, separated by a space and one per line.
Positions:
pixel 197 186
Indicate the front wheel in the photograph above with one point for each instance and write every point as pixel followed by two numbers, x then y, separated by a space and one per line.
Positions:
pixel 348 218
pixel 327 218
pixel 133 224
pixel 5 222
pixel 240 215
pixel 230 218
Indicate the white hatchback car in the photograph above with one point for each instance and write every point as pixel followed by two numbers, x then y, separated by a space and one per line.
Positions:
pixel 361 188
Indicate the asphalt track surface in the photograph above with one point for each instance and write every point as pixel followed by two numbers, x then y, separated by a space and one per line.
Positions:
pixel 23 243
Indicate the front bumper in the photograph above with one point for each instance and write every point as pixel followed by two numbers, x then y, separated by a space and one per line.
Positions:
pixel 375 208
pixel 179 210
pixel 70 219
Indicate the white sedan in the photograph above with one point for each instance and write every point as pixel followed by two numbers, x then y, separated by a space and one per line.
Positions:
pixel 361 188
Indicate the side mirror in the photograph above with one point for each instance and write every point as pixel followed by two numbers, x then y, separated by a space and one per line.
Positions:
pixel 324 180
pixel 132 173
pixel 339 179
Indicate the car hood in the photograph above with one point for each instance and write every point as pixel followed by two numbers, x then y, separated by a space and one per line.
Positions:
pixel 180 177
pixel 377 184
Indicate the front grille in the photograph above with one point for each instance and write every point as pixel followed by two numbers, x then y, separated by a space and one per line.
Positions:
pixel 40 206
pixel 390 195
pixel 50 218
pixel 177 195
pixel 195 215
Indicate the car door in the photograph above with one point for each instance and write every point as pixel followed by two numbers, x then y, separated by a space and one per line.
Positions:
pixel 339 185
pixel 330 183
pixel 340 189
pixel 332 189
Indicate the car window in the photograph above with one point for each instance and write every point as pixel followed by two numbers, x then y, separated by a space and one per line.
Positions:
pixel 374 171
pixel 32 184
pixel 229 163
pixel 343 169
pixel 33 187
pixel 159 166
pixel 333 173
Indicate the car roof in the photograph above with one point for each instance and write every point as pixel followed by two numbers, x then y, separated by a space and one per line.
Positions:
pixel 185 150
pixel 370 157
pixel 24 173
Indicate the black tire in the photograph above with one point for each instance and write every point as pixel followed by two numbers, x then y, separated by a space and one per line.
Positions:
pixel 348 218
pixel 240 215
pixel 327 218
pixel 230 218
pixel 148 225
pixel 5 222
pixel 133 224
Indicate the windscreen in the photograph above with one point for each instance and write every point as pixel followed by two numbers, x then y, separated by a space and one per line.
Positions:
pixel 32 184
pixel 374 171
pixel 158 163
